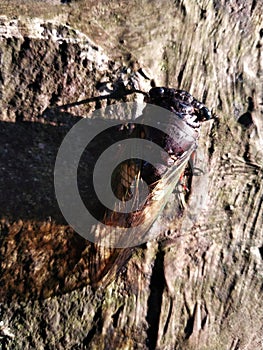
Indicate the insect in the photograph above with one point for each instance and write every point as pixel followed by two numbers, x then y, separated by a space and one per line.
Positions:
pixel 171 120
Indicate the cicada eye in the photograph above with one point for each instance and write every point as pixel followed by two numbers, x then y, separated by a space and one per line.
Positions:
pixel 156 92
pixel 205 113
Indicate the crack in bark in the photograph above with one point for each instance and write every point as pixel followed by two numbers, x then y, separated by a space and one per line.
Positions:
pixel 157 285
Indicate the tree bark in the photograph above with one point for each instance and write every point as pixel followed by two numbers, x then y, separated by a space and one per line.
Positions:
pixel 199 285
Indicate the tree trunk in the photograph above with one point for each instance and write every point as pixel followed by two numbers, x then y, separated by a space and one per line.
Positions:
pixel 199 285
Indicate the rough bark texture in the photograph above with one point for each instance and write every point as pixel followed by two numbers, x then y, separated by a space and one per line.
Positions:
pixel 199 286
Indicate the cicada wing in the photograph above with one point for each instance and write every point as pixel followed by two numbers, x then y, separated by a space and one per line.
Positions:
pixel 105 263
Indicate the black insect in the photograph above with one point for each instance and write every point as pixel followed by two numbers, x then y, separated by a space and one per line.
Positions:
pixel 177 137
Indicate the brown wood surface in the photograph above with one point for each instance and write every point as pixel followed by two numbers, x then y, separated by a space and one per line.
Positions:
pixel 200 285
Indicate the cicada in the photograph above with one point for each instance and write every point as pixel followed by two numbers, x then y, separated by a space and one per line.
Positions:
pixel 163 137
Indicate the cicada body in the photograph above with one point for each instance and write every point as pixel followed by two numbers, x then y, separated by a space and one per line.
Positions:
pixel 149 155
pixel 171 120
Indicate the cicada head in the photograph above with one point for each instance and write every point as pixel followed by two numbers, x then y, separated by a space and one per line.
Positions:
pixel 181 103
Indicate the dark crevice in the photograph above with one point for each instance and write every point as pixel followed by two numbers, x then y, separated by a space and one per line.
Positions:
pixel 36 85
pixel 220 102
pixel 98 105
pixel 215 47
pixel 63 49
pixel 189 326
pixel 180 75
pixel 168 317
pixel 231 288
pixel 203 322
pixel 24 48
pixel 1 78
pixel 204 64
pixel 154 304
pixel 250 104
pixel 97 327
pixel 256 218
pixel 246 154
pixel 253 6
pixel 212 138
pixel 205 93
pixel 56 95
pixel 246 119
pixel 166 65
pixel 203 13
pixel 116 316
pixel 180 5
pixel 261 251
pixel 54 99
pixel 85 63
pixel 42 329
pixel 190 323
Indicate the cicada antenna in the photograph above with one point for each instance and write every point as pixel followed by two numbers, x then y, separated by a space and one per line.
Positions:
pixel 118 94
